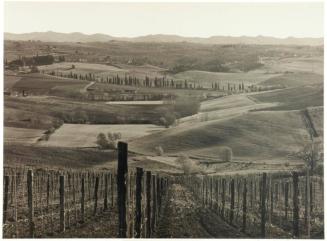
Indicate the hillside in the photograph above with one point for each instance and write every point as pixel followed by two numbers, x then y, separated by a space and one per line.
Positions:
pixel 252 136
pixel 293 98
pixel 80 37
pixel 294 79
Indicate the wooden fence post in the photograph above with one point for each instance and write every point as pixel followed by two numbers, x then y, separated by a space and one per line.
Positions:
pixel 244 206
pixel 48 191
pixel 121 188
pixel 62 203
pixel 5 201
pixel 286 200
pixel 138 202
pixel 217 195
pixel 112 186
pixel 296 230
pixel 105 200
pixel 232 201
pixel 154 204
pixel 263 205
pixel 96 188
pixel 223 199
pixel 158 196
pixel 30 203
pixel 148 204
pixel 211 192
pixel 307 215
pixel 83 200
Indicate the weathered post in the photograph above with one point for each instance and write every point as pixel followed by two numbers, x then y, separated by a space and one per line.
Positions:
pixel 30 203
pixel 263 205
pixel 105 200
pixel 138 202
pixel 96 188
pixel 217 195
pixel 5 201
pixel 307 215
pixel 211 192
pixel 83 200
pixel 154 204
pixel 62 203
pixel 148 204
pixel 232 201
pixel 244 206
pixel 296 230
pixel 48 191
pixel 286 200
pixel 223 199
pixel 122 189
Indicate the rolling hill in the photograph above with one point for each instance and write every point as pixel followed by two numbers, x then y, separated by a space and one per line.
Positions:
pixel 253 136
pixel 51 36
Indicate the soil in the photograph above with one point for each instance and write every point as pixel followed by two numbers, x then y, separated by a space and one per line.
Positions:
pixel 184 217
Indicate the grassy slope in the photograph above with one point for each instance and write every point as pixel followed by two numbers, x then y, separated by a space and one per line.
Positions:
pixel 294 79
pixel 256 135
pixel 317 117
pixel 55 156
pixel 21 135
pixel 100 113
pixel 102 70
pixel 207 78
pixel 27 119
pixel 81 135
pixel 297 64
pixel 40 84
pixel 294 98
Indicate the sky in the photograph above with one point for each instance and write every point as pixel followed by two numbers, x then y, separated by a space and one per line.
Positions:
pixel 302 19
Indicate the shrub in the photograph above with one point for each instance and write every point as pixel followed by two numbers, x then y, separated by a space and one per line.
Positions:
pixel 102 141
pixel 226 154
pixel 187 165
pixel 159 150
pixel 112 139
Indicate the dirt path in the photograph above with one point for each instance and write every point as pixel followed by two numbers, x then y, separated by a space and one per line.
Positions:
pixel 84 90
pixel 183 217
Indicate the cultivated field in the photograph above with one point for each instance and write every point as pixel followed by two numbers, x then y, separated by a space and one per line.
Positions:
pixel 104 70
pixel 206 79
pixel 154 102
pixel 252 136
pixel 293 98
pixel 296 64
pixel 83 135
pixel 40 84
pixel 22 135
pixel 217 146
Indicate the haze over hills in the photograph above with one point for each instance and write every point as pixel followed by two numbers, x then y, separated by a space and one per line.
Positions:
pixel 51 36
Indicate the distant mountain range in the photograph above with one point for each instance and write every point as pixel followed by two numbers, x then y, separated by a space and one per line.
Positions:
pixel 80 37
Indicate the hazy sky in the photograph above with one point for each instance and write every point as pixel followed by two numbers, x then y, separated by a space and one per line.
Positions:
pixel 186 19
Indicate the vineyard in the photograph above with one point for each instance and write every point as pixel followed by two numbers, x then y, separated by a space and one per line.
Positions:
pixel 48 203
